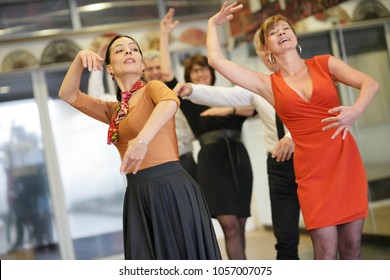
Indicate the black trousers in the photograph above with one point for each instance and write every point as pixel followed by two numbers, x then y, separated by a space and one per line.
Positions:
pixel 285 207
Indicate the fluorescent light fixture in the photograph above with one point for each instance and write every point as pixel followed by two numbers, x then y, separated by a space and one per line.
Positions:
pixel 95 7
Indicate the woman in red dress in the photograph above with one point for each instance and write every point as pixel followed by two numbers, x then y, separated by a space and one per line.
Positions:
pixel 332 184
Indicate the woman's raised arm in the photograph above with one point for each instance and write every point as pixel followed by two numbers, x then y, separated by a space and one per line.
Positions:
pixel 167 24
pixel 256 82
pixel 71 84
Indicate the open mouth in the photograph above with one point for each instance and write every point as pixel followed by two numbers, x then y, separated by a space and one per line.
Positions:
pixel 283 40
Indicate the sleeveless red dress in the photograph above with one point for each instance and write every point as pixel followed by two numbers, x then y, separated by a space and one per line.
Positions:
pixel 332 183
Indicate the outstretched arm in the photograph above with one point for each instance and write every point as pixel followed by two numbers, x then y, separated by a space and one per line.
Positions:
pixel 247 111
pixel 239 100
pixel 167 24
pixel 215 95
pixel 256 82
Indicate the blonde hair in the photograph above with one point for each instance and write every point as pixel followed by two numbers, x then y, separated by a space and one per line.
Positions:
pixel 267 25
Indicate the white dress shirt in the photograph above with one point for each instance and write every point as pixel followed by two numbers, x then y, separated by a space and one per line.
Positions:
pixel 239 97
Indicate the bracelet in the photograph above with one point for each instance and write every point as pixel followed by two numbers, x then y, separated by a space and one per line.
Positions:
pixel 234 111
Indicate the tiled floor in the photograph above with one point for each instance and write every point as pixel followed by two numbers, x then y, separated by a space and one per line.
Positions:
pixel 260 241
pixel 260 246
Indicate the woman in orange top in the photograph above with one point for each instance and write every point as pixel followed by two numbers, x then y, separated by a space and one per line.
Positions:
pixel 165 215
pixel 332 184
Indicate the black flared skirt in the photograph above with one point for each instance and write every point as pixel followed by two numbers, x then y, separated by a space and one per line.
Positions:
pixel 165 217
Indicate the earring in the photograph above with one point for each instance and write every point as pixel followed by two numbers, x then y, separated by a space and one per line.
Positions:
pixel 271 59
pixel 275 67
pixel 299 49
pixel 112 77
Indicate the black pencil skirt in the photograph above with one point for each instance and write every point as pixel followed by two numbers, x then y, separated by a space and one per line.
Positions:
pixel 165 217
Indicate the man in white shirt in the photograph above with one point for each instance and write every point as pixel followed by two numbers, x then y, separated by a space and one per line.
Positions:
pixel 185 136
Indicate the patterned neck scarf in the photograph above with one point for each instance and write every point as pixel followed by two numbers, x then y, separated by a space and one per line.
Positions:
pixel 121 112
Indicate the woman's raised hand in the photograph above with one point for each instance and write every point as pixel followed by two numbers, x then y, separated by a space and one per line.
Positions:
pixel 91 60
pixel 167 24
pixel 226 13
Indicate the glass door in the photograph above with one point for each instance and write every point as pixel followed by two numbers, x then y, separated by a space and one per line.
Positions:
pixel 61 193
pixel 26 212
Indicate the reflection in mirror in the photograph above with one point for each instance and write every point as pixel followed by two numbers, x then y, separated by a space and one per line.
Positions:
pixel 26 220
